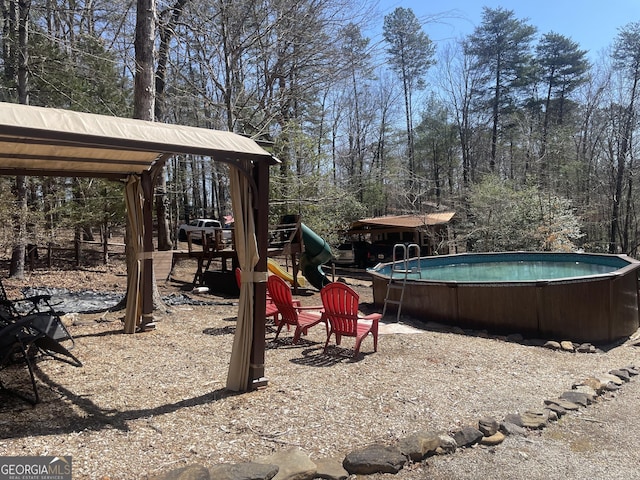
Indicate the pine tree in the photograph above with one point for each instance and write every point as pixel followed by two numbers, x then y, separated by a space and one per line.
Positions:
pixel 501 46
pixel 410 53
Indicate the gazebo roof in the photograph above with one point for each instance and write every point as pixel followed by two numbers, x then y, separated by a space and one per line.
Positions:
pixel 53 142
pixel 403 221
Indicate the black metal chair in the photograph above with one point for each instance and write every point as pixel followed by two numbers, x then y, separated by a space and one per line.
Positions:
pixel 17 346
pixel 22 340
pixel 41 311
pixel 26 305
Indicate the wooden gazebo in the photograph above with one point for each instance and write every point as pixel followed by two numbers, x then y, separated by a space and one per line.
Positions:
pixel 36 141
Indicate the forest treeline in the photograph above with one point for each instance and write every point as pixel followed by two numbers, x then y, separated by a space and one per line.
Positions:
pixel 520 132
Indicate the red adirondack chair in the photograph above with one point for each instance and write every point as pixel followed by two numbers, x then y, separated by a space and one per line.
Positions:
pixel 291 313
pixel 272 309
pixel 340 304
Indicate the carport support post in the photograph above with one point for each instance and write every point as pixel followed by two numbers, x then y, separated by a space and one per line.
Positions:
pixel 261 218
pixel 147 245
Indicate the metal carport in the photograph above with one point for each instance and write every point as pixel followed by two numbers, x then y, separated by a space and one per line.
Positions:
pixel 37 141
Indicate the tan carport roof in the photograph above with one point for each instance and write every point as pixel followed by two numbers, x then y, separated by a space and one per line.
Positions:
pixel 52 142
pixel 404 221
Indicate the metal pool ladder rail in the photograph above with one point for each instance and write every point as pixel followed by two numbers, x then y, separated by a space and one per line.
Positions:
pixel 400 270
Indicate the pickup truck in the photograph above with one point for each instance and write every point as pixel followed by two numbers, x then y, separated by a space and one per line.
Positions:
pixel 196 227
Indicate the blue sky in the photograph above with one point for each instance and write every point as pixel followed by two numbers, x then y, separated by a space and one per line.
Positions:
pixel 593 24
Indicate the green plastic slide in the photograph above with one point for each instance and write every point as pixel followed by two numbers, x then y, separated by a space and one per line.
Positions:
pixel 316 253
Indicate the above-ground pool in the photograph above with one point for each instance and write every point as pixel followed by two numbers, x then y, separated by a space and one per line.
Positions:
pixel 567 296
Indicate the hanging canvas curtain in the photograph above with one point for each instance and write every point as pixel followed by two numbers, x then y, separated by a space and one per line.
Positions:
pixel 247 250
pixel 134 199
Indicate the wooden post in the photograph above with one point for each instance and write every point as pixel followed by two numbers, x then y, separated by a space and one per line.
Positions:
pixel 32 254
pixel 78 245
pixel 147 243
pixel 104 232
pixel 261 218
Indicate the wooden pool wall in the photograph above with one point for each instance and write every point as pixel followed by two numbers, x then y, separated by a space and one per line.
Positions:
pixel 598 309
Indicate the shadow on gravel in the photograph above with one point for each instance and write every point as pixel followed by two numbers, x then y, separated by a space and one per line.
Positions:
pixel 57 417
pixel 228 330
pixel 315 357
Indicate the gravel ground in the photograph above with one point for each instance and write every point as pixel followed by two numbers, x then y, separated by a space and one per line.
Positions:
pixel 600 442
pixel 145 403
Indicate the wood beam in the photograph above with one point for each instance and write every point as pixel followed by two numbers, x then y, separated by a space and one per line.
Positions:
pixel 257 377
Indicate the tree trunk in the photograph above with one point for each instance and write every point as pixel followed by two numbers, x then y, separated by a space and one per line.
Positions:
pixel 409 120
pixel 167 29
pixel 624 151
pixel 23 51
pixel 144 91
pixel 495 121
pixel 144 109
pixel 16 269
pixel 162 216
pixel 545 135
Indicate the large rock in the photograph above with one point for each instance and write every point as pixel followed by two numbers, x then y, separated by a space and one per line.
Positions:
pixel 556 409
pixel 190 472
pixel 567 346
pixel 621 374
pixel 586 348
pixel 552 415
pixel 243 471
pixel 419 445
pixel 611 387
pixel 488 426
pixel 509 428
pixel 581 398
pixel 562 403
pixel 587 390
pixel 553 345
pixel 374 459
pixel 608 378
pixel 330 469
pixel 467 436
pixel 535 419
pixel 447 445
pixel 513 418
pixel 595 383
pixel 293 464
pixel 495 439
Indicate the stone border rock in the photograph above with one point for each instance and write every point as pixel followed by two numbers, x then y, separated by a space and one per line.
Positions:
pixel 376 458
pixel 564 345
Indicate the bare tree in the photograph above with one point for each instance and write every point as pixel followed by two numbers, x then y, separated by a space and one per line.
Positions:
pixel 626 57
pixel 458 82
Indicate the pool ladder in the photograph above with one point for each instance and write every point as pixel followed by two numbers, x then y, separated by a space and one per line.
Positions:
pixel 400 270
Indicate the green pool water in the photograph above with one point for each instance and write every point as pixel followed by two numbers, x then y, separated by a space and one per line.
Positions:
pixel 511 271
